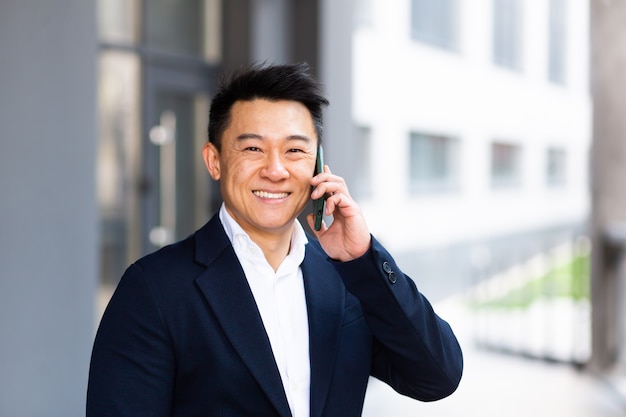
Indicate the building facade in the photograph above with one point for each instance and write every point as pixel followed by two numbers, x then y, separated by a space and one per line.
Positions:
pixel 463 129
pixel 474 124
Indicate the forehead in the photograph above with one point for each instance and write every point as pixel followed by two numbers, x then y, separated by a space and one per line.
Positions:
pixel 272 117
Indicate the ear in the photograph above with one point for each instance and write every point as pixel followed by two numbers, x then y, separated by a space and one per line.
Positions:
pixel 212 160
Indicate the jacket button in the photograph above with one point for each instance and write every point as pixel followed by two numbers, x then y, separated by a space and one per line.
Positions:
pixel 391 276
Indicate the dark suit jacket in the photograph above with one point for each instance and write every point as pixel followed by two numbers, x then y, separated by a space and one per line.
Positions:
pixel 182 336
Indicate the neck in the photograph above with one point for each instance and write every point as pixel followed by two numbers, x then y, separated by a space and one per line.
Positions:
pixel 275 247
pixel 274 243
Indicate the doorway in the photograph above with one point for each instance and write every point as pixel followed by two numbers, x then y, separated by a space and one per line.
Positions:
pixel 178 195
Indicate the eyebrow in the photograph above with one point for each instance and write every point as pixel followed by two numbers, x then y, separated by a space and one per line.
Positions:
pixel 245 136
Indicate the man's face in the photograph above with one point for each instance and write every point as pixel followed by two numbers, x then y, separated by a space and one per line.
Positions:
pixel 265 164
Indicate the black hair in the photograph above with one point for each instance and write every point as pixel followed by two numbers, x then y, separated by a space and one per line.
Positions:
pixel 270 82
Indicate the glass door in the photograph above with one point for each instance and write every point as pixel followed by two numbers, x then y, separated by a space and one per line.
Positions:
pixel 179 195
pixel 158 66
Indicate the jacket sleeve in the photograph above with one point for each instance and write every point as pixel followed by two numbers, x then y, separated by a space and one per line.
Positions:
pixel 415 351
pixel 132 365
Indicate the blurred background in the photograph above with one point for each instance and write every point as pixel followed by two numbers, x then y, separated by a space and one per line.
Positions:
pixel 485 141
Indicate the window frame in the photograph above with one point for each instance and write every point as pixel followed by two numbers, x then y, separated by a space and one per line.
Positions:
pixel 556 173
pixel 507 34
pixel 501 152
pixel 439 24
pixel 557 41
pixel 444 148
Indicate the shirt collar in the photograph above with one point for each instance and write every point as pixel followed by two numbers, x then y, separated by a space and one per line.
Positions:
pixel 244 245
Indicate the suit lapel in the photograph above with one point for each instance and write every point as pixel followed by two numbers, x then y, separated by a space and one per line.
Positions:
pixel 325 304
pixel 225 287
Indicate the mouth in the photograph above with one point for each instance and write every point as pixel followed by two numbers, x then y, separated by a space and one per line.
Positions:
pixel 270 196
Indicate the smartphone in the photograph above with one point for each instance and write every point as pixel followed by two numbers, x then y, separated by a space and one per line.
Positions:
pixel 320 202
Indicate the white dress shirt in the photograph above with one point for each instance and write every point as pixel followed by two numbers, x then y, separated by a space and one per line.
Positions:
pixel 282 304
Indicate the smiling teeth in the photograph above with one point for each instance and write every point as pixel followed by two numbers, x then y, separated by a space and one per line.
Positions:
pixel 265 194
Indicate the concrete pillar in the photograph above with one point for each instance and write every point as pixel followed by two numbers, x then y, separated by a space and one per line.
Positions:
pixel 608 185
pixel 48 216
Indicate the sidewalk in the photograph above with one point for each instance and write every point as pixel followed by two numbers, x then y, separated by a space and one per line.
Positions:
pixel 497 384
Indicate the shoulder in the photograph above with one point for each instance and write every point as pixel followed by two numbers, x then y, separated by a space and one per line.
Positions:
pixel 169 258
pixel 192 253
pixel 181 262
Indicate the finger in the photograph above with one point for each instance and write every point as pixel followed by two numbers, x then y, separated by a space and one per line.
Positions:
pixel 318 192
pixel 326 170
pixel 335 201
pixel 311 220
pixel 325 176
pixel 329 186
pixel 322 189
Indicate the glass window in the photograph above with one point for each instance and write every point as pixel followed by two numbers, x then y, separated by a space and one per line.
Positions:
pixel 505 164
pixel 435 22
pixel 557 41
pixel 174 26
pixel 507 29
pixel 190 27
pixel 556 169
pixel 433 163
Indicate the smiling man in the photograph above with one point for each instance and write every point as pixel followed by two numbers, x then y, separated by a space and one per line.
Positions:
pixel 250 317
pixel 264 163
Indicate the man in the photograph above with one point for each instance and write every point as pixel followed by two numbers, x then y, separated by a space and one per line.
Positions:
pixel 249 317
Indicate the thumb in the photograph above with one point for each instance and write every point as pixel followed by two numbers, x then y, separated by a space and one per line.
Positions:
pixel 311 220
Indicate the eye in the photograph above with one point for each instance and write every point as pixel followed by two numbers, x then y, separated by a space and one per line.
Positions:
pixel 295 150
pixel 252 149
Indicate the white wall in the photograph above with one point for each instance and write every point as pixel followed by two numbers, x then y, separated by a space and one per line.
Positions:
pixel 402 85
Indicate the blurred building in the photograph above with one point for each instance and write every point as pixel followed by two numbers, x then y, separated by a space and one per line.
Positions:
pixel 463 128
pixel 473 123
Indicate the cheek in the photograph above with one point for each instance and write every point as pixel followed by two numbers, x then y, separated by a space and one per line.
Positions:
pixel 232 181
pixel 304 181
pixel 237 173
pixel 302 167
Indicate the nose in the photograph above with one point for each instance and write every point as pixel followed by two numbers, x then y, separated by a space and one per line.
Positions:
pixel 275 168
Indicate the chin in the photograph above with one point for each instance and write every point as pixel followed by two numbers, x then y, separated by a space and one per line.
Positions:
pixel 276 224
